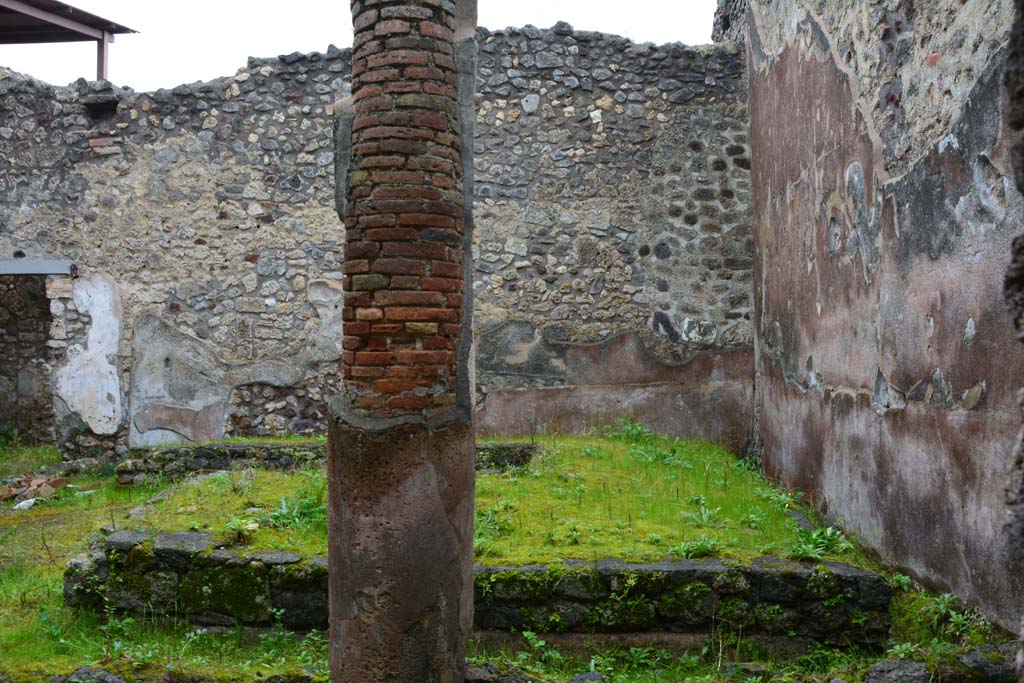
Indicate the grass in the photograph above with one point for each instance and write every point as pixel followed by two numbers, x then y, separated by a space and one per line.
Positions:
pixel 926 627
pixel 651 665
pixel 625 493
pixel 631 494
pixel 39 635
pixel 17 459
pixel 257 508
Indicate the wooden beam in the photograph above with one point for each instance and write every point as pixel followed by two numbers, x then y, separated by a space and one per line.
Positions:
pixel 55 19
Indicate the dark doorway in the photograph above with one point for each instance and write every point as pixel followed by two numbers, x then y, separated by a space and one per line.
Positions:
pixel 26 404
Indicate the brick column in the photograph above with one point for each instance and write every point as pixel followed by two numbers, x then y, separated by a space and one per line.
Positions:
pixel 402 441
pixel 403 254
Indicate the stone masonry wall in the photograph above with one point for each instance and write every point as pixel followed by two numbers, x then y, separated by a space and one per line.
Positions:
pixel 884 208
pixel 208 210
pixel 612 199
pixel 731 21
pixel 613 251
pixel 614 182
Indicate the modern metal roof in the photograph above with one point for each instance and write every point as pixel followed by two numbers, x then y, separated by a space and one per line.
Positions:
pixel 51 21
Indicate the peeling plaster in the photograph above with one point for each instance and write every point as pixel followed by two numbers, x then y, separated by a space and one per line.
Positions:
pixel 901 425
pixel 89 382
pixel 181 386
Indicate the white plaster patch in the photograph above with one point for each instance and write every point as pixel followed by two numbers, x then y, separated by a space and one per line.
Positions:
pixel 969 331
pixel 89 382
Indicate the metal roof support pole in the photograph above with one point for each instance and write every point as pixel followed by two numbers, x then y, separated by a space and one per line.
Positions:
pixel 102 55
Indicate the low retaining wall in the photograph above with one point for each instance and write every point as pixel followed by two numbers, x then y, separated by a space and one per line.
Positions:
pixel 829 602
pixel 177 462
pixel 188 576
pixel 174 463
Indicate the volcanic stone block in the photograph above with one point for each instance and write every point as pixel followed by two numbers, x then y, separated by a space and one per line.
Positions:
pixel 400 542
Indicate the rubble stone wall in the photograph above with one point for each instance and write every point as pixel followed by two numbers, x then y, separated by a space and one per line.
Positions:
pixel 884 207
pixel 612 203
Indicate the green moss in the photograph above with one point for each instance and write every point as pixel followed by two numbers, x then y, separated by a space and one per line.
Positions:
pixel 237 592
pixel 775 619
pixel 630 495
pixel 16 459
pixel 822 584
pixel 581 582
pixel 732 582
pixel 520 586
pixel 692 604
pixel 622 614
pixel 735 613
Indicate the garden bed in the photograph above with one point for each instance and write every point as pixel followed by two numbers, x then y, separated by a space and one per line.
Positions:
pixel 672 513
pixel 546 527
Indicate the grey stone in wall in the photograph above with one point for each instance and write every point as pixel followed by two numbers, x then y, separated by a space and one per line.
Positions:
pixel 731 19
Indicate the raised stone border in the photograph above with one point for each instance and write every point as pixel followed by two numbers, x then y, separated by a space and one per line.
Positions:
pixel 188 575
pixel 828 602
pixel 180 461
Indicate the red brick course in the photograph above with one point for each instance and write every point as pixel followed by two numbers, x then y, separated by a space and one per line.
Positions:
pixel 403 259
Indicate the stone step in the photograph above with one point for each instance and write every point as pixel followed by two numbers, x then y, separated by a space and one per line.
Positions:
pixel 201 579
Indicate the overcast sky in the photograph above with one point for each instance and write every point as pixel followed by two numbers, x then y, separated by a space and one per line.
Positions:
pixel 182 41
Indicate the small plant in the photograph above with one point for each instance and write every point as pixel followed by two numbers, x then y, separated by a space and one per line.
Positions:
pixel 755 520
pixel 786 499
pixel 492 524
pixel 238 482
pixel 307 509
pixel 241 529
pixel 52 627
pixel 814 545
pixel 900 582
pixel 539 650
pixel 805 551
pixel 706 517
pixel 629 431
pixel 692 550
pixel 901 650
